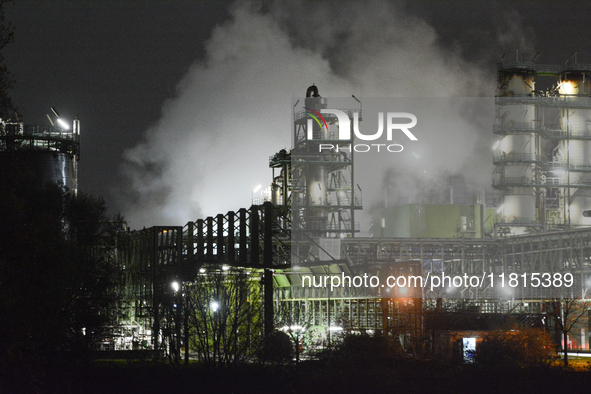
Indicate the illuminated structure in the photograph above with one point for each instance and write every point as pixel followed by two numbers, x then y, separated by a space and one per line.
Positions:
pixel 317 184
pixel 543 149
pixel 314 189
pixel 47 154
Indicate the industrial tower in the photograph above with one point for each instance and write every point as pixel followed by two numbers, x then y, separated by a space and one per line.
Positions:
pixel 542 154
pixel 317 183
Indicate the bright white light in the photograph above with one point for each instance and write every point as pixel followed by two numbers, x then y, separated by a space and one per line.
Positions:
pixel 214 305
pixel 469 345
pixel 201 270
pixel 256 189
pixel 568 87
pixel 225 267
pixel 63 124
pixel 496 144
pixel 335 328
pixel 500 209
pixel 175 286
pixel 292 328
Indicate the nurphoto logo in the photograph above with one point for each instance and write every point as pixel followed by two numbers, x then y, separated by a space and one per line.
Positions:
pixel 344 130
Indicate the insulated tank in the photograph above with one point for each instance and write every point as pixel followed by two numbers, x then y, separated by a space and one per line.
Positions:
pixel 517 148
pixel 317 172
pixel 575 152
pixel 42 154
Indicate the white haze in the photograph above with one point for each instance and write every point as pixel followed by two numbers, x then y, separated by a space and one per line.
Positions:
pixel 232 110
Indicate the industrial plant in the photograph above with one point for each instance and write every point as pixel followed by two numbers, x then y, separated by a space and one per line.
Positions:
pixel 431 275
pixel 50 153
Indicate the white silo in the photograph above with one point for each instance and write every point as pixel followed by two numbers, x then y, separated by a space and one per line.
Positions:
pixel 575 150
pixel 516 152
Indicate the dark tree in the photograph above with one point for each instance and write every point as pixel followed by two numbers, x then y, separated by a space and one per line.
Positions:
pixel 224 315
pixel 568 313
pixel 511 349
pixel 58 281
pixel 7 109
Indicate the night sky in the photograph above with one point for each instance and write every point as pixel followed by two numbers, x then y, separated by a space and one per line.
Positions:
pixel 182 102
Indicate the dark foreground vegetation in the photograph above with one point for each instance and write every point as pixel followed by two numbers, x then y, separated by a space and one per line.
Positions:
pixel 324 376
pixel 358 365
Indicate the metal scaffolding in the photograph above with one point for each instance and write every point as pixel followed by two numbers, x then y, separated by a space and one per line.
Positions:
pixel 541 156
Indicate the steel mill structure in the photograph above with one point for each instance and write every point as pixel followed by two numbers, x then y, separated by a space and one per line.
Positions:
pixel 306 231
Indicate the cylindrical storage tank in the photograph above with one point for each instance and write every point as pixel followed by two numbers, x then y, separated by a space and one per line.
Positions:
pixel 520 207
pixel 518 147
pixel 575 153
pixel 518 152
pixel 580 201
pixel 56 167
pixel 317 185
pixel 316 174
pixel 276 191
pixel 518 116
pixel 38 168
pixel 516 82
pixel 575 82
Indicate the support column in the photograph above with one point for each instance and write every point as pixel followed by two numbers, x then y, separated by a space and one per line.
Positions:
pixel 268 264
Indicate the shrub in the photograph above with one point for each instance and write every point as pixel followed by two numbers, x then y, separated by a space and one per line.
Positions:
pixel 511 349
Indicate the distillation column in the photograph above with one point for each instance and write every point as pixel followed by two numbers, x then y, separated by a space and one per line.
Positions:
pixel 516 149
pixel 316 173
pixel 575 151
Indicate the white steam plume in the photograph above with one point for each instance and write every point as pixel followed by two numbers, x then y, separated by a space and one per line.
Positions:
pixel 233 110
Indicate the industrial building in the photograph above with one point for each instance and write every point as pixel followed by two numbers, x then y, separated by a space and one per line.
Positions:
pixel 541 152
pixel 290 248
pixel 45 154
pixel 306 230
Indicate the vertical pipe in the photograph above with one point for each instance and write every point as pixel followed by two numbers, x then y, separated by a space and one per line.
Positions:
pixel 268 264
pixel 231 248
pixel 200 241
pixel 190 240
pixel 209 238
pixel 242 247
pixel 155 292
pixel 254 236
pixel 220 237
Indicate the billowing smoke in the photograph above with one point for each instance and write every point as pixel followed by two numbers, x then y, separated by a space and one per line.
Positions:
pixel 232 110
